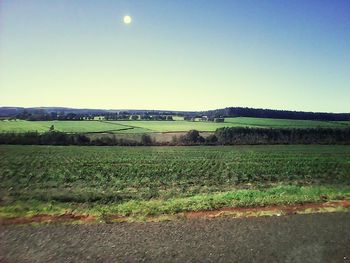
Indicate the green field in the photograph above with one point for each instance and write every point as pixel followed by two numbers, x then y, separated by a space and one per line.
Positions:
pixel 63 126
pixel 155 180
pixel 174 126
pixel 159 126
pixel 283 123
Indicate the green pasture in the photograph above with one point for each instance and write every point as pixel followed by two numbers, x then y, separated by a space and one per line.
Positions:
pixel 284 123
pixel 63 126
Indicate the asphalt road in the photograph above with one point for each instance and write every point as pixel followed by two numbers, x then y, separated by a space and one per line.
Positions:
pixel 294 238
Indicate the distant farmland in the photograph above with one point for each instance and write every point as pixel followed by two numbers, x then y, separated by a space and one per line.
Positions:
pixel 177 125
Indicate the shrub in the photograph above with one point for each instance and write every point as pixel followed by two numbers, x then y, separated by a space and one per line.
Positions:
pixel 146 139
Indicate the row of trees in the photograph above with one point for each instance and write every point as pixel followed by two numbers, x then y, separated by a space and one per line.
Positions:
pixel 222 136
pixel 77 114
pixel 116 116
pixel 204 118
pixel 48 138
pixel 44 116
pixel 241 135
pixel 60 138
pixel 277 114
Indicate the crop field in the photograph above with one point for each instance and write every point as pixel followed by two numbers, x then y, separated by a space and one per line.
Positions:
pixel 177 125
pixel 155 180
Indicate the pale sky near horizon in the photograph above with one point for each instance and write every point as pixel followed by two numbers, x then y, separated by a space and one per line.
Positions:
pixel 176 55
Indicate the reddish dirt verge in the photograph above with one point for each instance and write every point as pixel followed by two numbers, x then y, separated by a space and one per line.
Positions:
pixel 284 209
pixel 235 211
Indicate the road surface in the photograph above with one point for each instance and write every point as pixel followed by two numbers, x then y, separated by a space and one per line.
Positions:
pixel 292 238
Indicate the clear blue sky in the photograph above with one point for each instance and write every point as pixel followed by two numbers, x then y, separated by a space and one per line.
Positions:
pixel 178 55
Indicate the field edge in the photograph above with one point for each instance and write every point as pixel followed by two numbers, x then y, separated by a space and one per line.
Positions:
pixel 216 204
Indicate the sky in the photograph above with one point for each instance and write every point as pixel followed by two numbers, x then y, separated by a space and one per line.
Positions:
pixel 176 55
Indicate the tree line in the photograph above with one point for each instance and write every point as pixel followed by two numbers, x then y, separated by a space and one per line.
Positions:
pixel 146 117
pixel 222 136
pixel 61 138
pixel 277 114
pixel 45 116
pixel 60 113
pixel 242 135
pixel 256 136
pixel 204 118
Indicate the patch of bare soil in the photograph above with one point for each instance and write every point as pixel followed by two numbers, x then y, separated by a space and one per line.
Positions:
pixel 268 210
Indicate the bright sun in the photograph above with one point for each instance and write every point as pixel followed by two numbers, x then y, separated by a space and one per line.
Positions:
pixel 127 19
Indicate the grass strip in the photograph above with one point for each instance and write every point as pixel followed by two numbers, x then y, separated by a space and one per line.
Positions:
pixel 278 195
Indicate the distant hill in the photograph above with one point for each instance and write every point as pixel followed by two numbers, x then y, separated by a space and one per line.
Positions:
pixel 226 112
pixel 13 111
